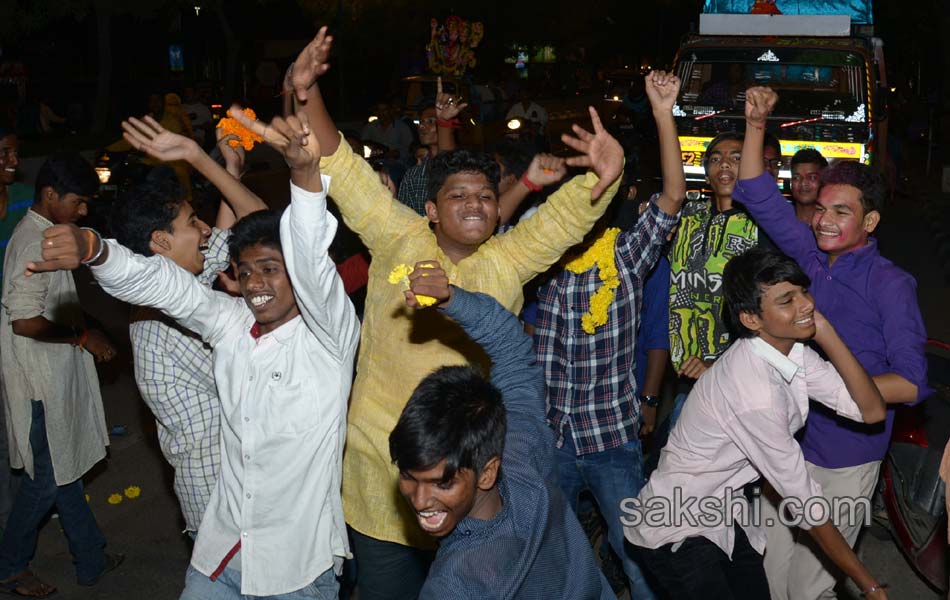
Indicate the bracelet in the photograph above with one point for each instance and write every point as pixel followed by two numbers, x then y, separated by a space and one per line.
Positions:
pixel 874 588
pixel 532 186
pixel 91 236
pixel 651 401
pixel 755 125
pixel 94 235
pixel 450 124
pixel 83 338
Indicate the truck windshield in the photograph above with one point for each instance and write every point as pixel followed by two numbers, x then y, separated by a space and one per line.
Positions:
pixel 826 86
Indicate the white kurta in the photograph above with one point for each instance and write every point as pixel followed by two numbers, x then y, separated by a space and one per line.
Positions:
pixel 61 376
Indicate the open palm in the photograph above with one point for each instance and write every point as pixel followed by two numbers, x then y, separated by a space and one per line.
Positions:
pixel 600 152
pixel 150 137
pixel 311 63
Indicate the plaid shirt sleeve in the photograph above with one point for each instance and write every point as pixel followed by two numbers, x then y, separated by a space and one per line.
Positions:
pixel 414 188
pixel 217 258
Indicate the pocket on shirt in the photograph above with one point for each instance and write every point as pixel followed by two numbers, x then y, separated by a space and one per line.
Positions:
pixel 292 408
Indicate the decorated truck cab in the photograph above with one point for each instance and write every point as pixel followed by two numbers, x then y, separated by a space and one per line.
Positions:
pixel 828 70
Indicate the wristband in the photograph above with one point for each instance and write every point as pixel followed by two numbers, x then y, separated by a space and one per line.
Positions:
pixel 532 186
pixel 83 338
pixel 755 125
pixel 450 124
pixel 93 256
pixel 651 401
pixel 874 588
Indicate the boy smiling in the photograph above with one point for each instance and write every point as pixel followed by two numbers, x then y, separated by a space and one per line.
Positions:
pixel 476 466
pixel 283 357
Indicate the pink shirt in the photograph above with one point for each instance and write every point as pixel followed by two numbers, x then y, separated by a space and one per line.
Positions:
pixel 738 422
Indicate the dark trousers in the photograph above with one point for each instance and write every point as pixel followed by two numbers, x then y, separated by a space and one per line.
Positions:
pixel 700 569
pixel 388 571
pixel 34 500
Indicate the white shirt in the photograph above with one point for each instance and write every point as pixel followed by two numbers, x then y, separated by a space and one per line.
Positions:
pixel 283 404
pixel 740 421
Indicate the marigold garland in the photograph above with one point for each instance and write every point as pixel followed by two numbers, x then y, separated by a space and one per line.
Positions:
pixel 115 498
pixel 133 491
pixel 400 274
pixel 601 255
pixel 246 137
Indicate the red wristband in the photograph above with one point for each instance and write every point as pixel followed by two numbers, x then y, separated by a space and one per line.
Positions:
pixel 451 123
pixel 532 186
pixel 755 125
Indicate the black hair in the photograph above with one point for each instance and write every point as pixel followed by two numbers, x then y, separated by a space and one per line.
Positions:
pixel 746 275
pixel 722 137
pixel 67 173
pixel 515 156
pixel 446 164
pixel 260 227
pixel 454 414
pixel 771 141
pixel 868 181
pixel 809 156
pixel 143 209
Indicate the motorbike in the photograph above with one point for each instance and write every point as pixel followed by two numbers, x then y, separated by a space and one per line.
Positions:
pixel 913 493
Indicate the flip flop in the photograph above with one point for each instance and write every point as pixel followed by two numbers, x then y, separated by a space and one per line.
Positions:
pixel 26 581
pixel 112 563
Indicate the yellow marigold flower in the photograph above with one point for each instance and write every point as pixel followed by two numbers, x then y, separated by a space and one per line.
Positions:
pixel 246 137
pixel 133 491
pixel 115 498
pixel 400 274
pixel 601 255
pixel 87 498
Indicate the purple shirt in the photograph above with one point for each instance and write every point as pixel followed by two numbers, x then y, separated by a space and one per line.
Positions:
pixel 872 304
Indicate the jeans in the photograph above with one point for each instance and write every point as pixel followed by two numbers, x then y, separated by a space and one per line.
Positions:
pixel 9 479
pixel 611 477
pixel 388 571
pixel 227 586
pixel 34 500
pixel 699 569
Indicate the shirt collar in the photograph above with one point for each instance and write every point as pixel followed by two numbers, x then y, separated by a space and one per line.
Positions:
pixel 281 334
pixel 786 367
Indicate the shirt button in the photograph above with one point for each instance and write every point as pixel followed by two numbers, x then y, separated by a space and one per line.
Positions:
pixel 828 277
pixel 246 419
pixel 251 378
pixel 243 534
pixel 248 496
pixel 247 457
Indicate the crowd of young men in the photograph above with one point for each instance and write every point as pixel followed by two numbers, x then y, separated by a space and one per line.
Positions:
pixel 452 465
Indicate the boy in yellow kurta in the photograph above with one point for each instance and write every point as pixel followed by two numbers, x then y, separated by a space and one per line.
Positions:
pixel 399 347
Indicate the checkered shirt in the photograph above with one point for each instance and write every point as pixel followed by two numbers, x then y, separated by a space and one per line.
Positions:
pixel 174 373
pixel 591 383
pixel 414 188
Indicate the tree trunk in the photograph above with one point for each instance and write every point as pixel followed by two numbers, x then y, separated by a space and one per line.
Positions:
pixel 232 48
pixel 104 72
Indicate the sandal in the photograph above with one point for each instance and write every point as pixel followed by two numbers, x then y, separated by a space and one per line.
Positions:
pixel 26 584
pixel 112 562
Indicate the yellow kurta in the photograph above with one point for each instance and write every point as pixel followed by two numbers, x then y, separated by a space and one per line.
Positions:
pixel 399 346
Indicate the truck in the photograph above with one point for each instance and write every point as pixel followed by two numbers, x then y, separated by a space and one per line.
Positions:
pixel 821 57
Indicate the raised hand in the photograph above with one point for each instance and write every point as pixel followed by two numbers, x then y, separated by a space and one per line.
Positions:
pixel 233 155
pixel 546 169
pixel 662 89
pixel 153 139
pixel 311 63
pixel 447 106
pixel 599 151
pixel 428 279
pixel 293 138
pixel 62 248
pixel 759 102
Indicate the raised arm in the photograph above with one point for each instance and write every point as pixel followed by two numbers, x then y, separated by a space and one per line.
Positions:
pixel 149 136
pixel 662 89
pixel 562 222
pixel 309 66
pixel 756 190
pixel 447 109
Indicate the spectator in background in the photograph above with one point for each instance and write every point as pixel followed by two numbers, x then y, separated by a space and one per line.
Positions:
pixel 525 109
pixel 772 155
pixel 807 165
pixel 199 114
pixel 389 130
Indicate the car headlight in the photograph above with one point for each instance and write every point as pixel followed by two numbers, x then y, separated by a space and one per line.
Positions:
pixel 514 124
pixel 104 173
